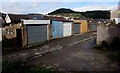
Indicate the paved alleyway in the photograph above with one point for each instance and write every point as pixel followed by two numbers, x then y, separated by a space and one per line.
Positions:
pixel 74 53
pixel 50 46
pixel 80 57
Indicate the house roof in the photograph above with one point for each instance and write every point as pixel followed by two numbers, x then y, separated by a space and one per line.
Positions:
pixel 54 18
pixel 49 17
pixel 37 17
pixel 16 18
pixel 59 18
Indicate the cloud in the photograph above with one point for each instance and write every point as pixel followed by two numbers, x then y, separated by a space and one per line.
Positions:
pixel 29 7
pixel 20 7
pixel 0 6
pixel 60 0
pixel 46 7
pixel 95 7
pixel 35 4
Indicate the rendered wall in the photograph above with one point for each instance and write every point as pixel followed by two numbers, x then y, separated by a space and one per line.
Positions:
pixel 107 33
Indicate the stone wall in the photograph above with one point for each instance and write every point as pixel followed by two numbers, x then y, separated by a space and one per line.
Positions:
pixel 107 33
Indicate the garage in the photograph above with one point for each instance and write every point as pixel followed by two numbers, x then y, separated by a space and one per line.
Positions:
pixel 37 31
pixel 57 29
pixel 92 27
pixel 76 28
pixel 36 34
pixel 67 28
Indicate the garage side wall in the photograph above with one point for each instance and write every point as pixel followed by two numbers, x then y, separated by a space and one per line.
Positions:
pixel 24 36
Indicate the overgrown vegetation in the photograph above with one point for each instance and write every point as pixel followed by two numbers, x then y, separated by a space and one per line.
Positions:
pixel 9 67
pixel 10 43
pixel 114 45
pixel 110 23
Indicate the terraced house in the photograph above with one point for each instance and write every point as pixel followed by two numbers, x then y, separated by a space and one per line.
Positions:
pixel 115 14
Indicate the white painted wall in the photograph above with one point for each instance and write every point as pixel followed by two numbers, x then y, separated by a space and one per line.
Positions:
pixel 67 29
pixel 117 20
pixel 7 19
pixel 36 21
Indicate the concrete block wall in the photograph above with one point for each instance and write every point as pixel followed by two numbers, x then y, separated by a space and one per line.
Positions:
pixel 107 33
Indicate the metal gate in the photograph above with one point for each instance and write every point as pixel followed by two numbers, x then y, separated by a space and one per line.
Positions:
pixel 76 28
pixel 37 34
pixel 57 29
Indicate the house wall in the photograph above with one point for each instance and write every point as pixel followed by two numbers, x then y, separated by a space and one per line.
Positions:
pixel 107 33
pixel 115 14
pixel 13 27
pixel 117 20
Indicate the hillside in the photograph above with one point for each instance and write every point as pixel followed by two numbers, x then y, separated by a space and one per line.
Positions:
pixel 61 10
pixel 67 13
pixel 97 14
pixel 89 14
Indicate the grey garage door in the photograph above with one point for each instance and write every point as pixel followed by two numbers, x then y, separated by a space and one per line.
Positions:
pixel 37 34
pixel 76 28
pixel 93 27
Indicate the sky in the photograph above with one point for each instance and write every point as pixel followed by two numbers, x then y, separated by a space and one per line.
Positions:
pixel 44 7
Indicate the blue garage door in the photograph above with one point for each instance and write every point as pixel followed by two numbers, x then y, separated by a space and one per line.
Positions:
pixel 57 29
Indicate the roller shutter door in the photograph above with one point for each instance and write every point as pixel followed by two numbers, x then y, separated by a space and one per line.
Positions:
pixel 76 28
pixel 36 34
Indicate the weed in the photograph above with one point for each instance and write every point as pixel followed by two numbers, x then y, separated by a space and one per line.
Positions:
pixel 9 67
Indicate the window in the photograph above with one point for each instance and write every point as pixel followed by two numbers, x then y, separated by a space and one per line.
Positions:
pixel 9 31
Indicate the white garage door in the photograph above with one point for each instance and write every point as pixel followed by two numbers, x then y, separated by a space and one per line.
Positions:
pixel 67 29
